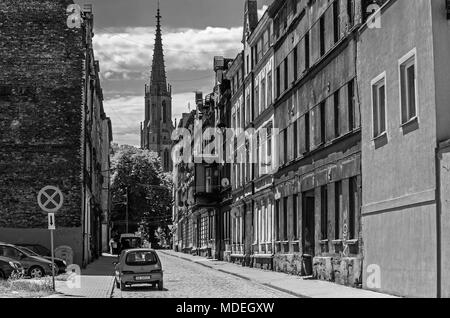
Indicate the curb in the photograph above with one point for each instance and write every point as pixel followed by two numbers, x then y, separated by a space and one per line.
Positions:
pixel 239 276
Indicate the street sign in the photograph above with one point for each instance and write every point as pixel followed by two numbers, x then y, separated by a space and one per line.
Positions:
pixel 50 199
pixel 51 221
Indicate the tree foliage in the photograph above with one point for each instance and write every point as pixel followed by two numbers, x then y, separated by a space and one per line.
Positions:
pixel 139 173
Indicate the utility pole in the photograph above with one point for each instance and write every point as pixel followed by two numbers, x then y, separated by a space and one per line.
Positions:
pixel 126 213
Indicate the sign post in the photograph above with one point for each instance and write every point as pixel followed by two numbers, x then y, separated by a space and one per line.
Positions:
pixel 50 199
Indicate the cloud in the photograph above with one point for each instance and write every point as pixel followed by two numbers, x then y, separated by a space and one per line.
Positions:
pixel 126 53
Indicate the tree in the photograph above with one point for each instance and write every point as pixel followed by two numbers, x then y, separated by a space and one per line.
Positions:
pixel 137 174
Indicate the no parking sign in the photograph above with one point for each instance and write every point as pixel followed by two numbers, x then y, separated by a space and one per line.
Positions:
pixel 50 199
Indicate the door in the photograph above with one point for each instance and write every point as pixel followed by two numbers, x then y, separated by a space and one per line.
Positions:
pixel 308 224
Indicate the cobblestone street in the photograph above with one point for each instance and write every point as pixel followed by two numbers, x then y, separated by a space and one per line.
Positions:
pixel 184 279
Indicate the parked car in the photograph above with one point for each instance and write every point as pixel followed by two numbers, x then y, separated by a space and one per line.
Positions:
pixel 37 248
pixel 138 266
pixel 8 266
pixel 128 241
pixel 60 264
pixel 34 266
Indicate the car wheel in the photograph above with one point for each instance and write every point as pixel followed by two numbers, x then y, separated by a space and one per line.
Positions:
pixel 2 275
pixel 160 285
pixel 36 272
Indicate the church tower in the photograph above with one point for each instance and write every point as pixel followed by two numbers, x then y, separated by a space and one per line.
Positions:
pixel 156 130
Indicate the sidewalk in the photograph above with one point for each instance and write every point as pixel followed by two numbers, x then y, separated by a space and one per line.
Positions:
pixel 96 281
pixel 293 285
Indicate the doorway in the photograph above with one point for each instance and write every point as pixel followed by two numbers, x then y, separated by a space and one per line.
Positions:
pixel 308 223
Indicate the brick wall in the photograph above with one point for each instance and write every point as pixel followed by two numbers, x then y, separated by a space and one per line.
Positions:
pixel 41 63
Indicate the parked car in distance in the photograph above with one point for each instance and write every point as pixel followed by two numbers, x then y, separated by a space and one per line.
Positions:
pixel 128 241
pixel 60 264
pixel 138 266
pixel 8 266
pixel 35 267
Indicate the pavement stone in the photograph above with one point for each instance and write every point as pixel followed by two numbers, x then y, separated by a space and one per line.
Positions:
pixel 96 281
pixel 293 285
pixel 184 279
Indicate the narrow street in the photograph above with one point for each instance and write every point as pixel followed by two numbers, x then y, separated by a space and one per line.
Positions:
pixel 184 279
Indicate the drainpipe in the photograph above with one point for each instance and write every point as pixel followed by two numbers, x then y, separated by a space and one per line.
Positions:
pixel 438 224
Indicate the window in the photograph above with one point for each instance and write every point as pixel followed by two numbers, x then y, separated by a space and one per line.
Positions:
pixel 258 151
pixel 324 212
pixel 322 123
pixel 269 142
pixel 307 50
pixel 295 63
pixel 353 202
pixel 285 219
pixel 338 208
pixel 322 35
pixel 285 146
pixel 141 258
pixel 286 74
pixel 351 105
pixel 379 105
pixel 277 219
pixel 336 115
pixel 295 140
pixel 164 111
pixel 307 133
pixel 278 79
pixel 256 105
pixel 248 64
pixel 408 86
pixel 247 119
pixel 258 51
pixel 295 216
pixel 269 88
pixel 336 20
pixel 266 41
pixel 263 94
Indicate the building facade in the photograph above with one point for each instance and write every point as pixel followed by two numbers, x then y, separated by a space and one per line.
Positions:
pixel 342 172
pixel 318 183
pixel 405 132
pixel 53 128
pixel 157 128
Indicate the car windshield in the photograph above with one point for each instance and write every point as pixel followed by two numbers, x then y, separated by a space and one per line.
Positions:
pixel 141 258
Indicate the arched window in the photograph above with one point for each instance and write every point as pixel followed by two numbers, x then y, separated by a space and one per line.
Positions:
pixel 164 111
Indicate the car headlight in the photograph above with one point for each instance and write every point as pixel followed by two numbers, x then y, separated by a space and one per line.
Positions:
pixel 64 262
pixel 13 265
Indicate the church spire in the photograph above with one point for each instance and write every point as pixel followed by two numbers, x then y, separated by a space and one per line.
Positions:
pixel 158 83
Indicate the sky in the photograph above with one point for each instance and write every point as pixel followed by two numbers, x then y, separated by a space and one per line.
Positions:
pixel 194 31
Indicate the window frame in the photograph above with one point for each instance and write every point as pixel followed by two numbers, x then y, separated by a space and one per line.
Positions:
pixel 407 60
pixel 377 82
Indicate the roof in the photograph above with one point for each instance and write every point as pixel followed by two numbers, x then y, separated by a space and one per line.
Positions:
pixel 139 250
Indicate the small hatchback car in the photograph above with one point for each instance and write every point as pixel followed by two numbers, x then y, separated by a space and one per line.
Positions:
pixel 138 266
